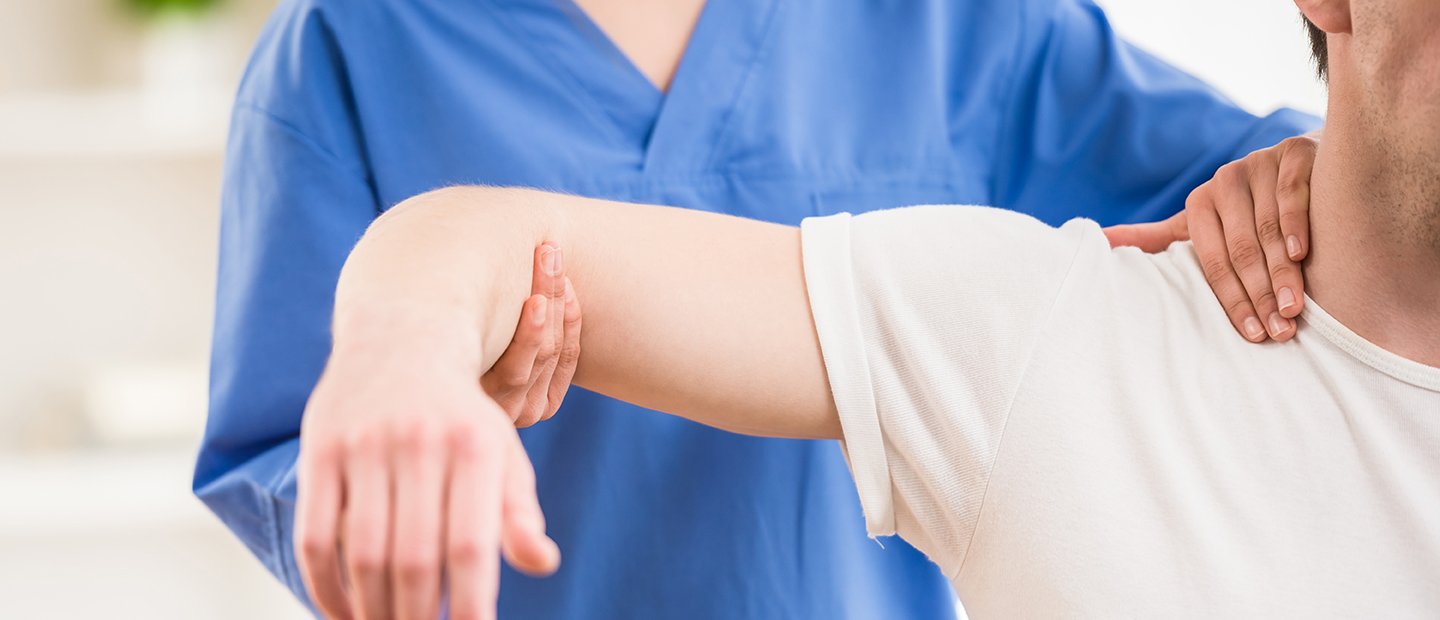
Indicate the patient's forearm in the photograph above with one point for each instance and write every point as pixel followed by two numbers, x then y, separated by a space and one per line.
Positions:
pixel 696 314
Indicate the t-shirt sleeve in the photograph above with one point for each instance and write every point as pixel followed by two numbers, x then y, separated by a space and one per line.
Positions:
pixel 927 317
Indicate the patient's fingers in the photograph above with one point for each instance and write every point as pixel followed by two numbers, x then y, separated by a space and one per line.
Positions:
pixel 472 534
pixel 523 539
pixel 418 463
pixel 367 523
pixel 317 513
pixel 1208 235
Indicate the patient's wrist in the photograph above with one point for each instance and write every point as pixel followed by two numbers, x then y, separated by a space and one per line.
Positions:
pixel 397 331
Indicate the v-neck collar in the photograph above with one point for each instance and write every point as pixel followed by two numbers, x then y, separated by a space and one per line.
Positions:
pixel 675 130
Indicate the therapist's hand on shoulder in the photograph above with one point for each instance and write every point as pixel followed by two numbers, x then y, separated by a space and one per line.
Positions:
pixel 530 379
pixel 1251 229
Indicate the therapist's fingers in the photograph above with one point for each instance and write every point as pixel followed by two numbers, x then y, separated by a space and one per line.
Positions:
pixel 366 543
pixel 538 401
pixel 1209 238
pixel 419 464
pixel 1150 237
pixel 523 539
pixel 1235 202
pixel 569 356
pixel 1284 273
pixel 472 534
pixel 508 381
pixel 1297 160
pixel 317 513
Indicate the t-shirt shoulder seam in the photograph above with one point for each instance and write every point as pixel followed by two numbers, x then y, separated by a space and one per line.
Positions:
pixel 1010 406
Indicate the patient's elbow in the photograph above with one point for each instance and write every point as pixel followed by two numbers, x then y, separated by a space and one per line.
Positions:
pixel 458 203
pixel 452 197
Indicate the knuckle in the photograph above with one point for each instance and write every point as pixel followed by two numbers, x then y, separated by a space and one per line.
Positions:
pixel 1244 253
pixel 533 412
pixel 1297 143
pixel 363 440
pixel 1282 272
pixel 467 439
pixel 547 350
pixel 1269 229
pixel 1237 310
pixel 463 440
pixel 316 549
pixel 412 436
pixel 516 378
pixel 1266 300
pixel 1233 173
pixel 416 568
pixel 570 356
pixel 464 551
pixel 1215 269
pixel 1288 188
pixel 366 561
pixel 325 450
pixel 1197 198
pixel 1256 173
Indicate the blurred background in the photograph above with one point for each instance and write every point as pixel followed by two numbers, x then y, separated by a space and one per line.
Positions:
pixel 112 126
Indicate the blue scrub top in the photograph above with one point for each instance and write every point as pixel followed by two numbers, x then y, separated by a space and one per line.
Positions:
pixel 779 111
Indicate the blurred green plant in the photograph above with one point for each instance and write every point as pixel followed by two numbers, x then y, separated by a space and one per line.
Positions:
pixel 161 7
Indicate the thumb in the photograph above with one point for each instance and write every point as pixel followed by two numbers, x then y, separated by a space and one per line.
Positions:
pixel 523 539
pixel 1151 237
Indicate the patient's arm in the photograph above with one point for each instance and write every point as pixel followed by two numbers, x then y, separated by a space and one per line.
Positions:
pixel 693 313
pixel 409 474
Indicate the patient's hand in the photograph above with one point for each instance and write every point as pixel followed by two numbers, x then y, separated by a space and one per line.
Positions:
pixel 1251 228
pixel 410 480
pixel 530 379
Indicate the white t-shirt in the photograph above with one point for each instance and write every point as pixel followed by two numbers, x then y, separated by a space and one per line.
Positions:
pixel 1071 431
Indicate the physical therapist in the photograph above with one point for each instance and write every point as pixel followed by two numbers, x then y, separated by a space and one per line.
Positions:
pixel 779 111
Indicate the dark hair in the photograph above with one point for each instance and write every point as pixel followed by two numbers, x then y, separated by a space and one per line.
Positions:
pixel 1318 49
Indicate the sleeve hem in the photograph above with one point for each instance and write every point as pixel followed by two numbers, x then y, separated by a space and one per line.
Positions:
pixel 825 246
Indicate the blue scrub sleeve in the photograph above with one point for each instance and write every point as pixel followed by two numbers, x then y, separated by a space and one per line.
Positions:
pixel 291 211
pixel 1096 127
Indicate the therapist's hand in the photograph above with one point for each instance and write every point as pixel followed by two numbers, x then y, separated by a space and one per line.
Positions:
pixel 530 379
pixel 411 480
pixel 1251 229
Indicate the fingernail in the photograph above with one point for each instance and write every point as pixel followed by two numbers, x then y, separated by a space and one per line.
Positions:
pixel 1277 325
pixel 1292 245
pixel 540 311
pixel 552 261
pixel 569 291
pixel 1286 297
pixel 1253 329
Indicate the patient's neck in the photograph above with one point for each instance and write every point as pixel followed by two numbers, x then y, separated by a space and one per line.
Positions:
pixel 1375 257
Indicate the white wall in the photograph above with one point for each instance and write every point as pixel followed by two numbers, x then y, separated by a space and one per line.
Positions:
pixel 1254 50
